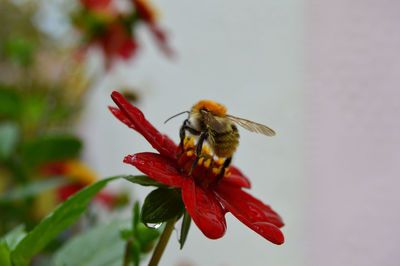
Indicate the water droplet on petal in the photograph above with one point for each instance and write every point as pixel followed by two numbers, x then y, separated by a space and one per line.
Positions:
pixel 153 226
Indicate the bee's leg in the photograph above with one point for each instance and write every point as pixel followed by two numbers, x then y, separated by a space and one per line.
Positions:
pixel 199 147
pixel 182 131
pixel 227 162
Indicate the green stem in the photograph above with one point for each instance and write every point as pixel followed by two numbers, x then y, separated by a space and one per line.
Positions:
pixel 162 243
pixel 127 256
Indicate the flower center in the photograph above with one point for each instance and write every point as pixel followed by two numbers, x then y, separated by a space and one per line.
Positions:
pixel 208 169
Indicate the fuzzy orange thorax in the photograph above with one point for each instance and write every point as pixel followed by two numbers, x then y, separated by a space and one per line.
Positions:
pixel 213 107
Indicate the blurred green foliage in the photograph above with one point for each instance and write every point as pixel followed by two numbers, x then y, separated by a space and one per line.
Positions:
pixel 106 244
pixel 8 139
pixel 31 189
pixel 10 102
pixel 18 50
pixel 41 92
pixel 50 148
pixel 100 245
pixel 42 86
pixel 61 218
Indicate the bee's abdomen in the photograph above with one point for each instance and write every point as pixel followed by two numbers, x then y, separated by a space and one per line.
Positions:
pixel 225 143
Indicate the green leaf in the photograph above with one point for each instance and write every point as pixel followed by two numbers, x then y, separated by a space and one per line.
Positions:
pixel 8 243
pixel 4 255
pixel 186 221
pixel 34 109
pixel 135 253
pixel 56 222
pixel 19 50
pixel 144 180
pixel 8 138
pixel 136 215
pixel 10 102
pixel 126 234
pixel 162 205
pixel 101 245
pixel 51 148
pixel 146 235
pixel 32 189
pixel 13 237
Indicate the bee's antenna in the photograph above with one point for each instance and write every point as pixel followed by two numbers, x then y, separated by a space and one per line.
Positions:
pixel 176 116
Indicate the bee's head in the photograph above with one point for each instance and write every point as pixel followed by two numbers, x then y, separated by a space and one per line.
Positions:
pixel 210 106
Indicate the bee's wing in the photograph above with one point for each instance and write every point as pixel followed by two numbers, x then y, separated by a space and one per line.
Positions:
pixel 252 126
pixel 213 121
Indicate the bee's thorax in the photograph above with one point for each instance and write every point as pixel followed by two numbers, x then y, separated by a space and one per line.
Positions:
pixel 210 106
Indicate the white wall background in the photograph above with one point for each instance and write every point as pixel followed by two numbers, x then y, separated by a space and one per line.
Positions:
pixel 354 132
pixel 247 55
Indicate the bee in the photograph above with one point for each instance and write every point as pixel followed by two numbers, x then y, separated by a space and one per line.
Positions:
pixel 209 121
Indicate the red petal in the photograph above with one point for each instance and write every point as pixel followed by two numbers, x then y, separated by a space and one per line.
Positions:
pixel 128 48
pixel 235 171
pixel 161 39
pixel 54 168
pixel 66 191
pixel 93 4
pixel 252 212
pixel 106 198
pixel 162 143
pixel 157 167
pixel 145 11
pixel 205 210
pixel 121 116
pixel 237 180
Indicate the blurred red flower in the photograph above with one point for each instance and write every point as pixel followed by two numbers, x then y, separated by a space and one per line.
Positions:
pixel 104 26
pixel 80 175
pixel 206 199
pixel 117 42
pixel 93 4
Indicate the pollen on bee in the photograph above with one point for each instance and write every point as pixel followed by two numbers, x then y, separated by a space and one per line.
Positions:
pixel 185 141
pixel 220 161
pixel 207 163
pixel 206 149
pixel 188 143
pixel 216 170
pixel 200 161
pixel 227 172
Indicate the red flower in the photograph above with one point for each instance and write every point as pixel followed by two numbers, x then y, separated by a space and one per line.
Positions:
pixel 117 41
pixel 147 13
pixel 80 175
pixel 102 24
pixel 206 200
pixel 95 4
